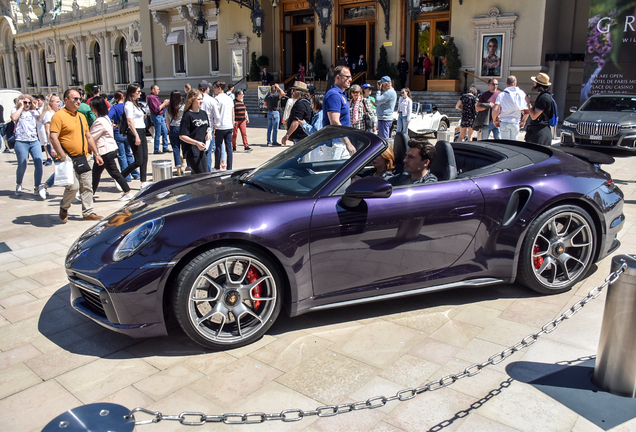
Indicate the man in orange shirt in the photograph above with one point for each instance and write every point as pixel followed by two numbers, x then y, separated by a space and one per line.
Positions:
pixel 70 136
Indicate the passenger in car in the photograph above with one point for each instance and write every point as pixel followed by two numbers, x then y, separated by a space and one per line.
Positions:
pixel 417 162
pixel 383 165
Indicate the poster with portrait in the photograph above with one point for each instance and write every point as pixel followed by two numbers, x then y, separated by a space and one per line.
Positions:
pixel 491 61
pixel 610 55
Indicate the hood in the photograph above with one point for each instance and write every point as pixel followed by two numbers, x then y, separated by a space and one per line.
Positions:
pixel 623 118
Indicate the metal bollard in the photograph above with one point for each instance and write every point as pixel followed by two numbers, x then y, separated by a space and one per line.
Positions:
pixel 444 136
pixel 615 370
pixel 161 170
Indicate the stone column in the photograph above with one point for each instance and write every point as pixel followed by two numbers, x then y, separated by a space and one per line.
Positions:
pixel 21 69
pixel 132 67
pixel 82 60
pixel 60 62
pixel 36 68
pixel 108 76
pixel 8 68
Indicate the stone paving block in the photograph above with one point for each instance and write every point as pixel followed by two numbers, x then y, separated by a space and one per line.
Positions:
pixel 290 350
pixel 475 422
pixel 410 371
pixel 16 300
pixel 434 351
pixel 16 378
pixel 168 381
pixel 235 381
pixel 102 377
pixel 34 268
pixel 210 362
pixel 456 333
pixel 523 407
pixel 477 315
pixel 379 344
pixel 17 355
pixel 430 411
pixel 328 377
pixel 34 407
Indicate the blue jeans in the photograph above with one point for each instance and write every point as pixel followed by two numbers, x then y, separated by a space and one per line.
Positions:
pixel 22 150
pixel 161 130
pixel 273 118
pixel 485 131
pixel 124 155
pixel 221 135
pixel 175 142
pixel 384 128
pixel 402 125
pixel 209 152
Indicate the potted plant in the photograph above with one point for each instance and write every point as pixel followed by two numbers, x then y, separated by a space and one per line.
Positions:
pixel 320 71
pixel 255 74
pixel 447 54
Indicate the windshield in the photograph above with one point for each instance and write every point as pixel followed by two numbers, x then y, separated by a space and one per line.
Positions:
pixel 610 103
pixel 305 167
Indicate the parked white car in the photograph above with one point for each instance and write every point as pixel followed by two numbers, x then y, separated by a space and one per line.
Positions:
pixel 425 119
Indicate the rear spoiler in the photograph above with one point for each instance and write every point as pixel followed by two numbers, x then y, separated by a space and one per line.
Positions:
pixel 591 156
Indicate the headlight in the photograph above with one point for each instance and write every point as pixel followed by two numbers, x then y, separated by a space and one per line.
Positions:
pixel 136 239
pixel 569 124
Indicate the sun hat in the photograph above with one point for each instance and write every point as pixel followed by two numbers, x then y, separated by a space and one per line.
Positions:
pixel 299 85
pixel 542 79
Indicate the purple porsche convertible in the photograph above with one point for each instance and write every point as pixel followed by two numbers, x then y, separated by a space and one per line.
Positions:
pixel 222 253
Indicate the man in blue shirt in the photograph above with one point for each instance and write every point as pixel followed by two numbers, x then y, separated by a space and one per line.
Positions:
pixel 335 108
pixel 385 103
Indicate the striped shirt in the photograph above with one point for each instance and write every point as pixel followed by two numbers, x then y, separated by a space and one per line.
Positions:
pixel 240 113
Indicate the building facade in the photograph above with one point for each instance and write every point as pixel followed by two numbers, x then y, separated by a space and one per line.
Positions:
pixel 53 45
pixel 161 41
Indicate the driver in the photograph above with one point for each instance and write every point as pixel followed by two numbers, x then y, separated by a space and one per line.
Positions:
pixel 417 162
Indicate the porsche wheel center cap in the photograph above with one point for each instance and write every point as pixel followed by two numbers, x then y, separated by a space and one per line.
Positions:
pixel 232 298
pixel 559 249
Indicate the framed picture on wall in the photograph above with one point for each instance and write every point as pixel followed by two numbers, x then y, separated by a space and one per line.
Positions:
pixel 491 61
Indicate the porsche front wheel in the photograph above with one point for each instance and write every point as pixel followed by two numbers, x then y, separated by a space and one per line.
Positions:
pixel 558 250
pixel 227 297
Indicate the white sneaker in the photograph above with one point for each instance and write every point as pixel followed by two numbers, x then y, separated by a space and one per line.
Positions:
pixel 145 184
pixel 18 190
pixel 41 191
pixel 126 197
pixel 95 195
pixel 118 187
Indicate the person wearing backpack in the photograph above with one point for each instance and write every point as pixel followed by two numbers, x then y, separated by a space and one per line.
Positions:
pixel 541 113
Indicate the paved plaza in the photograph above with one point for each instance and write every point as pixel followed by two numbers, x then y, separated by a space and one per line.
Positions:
pixel 53 359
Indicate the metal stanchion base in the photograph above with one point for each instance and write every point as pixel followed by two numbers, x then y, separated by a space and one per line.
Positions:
pixel 95 417
pixel 573 387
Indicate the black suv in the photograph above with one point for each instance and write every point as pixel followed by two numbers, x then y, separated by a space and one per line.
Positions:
pixel 604 120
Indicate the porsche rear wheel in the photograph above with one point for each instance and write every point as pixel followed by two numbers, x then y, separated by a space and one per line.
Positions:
pixel 441 128
pixel 558 250
pixel 227 297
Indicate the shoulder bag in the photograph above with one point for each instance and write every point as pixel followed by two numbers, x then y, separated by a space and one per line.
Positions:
pixel 80 163
pixel 368 120
pixel 123 123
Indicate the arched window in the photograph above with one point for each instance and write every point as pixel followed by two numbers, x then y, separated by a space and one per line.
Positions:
pixel 123 62
pixel 98 64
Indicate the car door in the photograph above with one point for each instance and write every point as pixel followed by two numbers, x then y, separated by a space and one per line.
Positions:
pixel 390 242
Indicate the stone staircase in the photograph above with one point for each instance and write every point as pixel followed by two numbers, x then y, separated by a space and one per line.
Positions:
pixel 445 102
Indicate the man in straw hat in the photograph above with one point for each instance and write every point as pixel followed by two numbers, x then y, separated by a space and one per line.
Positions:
pixel 301 110
pixel 540 113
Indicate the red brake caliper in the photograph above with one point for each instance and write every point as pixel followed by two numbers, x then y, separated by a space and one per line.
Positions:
pixel 252 276
pixel 538 261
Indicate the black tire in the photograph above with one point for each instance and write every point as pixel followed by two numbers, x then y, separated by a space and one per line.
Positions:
pixel 558 250
pixel 223 282
pixel 442 127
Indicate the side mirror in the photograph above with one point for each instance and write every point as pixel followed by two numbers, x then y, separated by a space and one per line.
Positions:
pixel 573 109
pixel 367 187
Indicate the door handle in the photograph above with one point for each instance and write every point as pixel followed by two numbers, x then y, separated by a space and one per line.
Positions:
pixel 464 211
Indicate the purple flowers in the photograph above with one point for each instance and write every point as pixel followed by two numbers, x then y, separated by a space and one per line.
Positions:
pixel 598 44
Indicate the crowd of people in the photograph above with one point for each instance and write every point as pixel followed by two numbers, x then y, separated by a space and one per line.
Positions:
pixel 503 113
pixel 112 132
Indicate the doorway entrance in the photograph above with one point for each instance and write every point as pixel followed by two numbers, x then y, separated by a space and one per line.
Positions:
pixel 297 40
pixel 356 37
pixel 431 28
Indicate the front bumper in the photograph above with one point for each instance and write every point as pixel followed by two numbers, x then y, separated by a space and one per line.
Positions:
pixel 624 139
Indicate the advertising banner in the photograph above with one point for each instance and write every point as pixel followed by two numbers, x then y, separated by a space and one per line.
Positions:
pixel 610 56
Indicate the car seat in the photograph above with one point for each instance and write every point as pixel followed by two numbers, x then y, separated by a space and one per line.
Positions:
pixel 427 108
pixel 400 147
pixel 444 166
